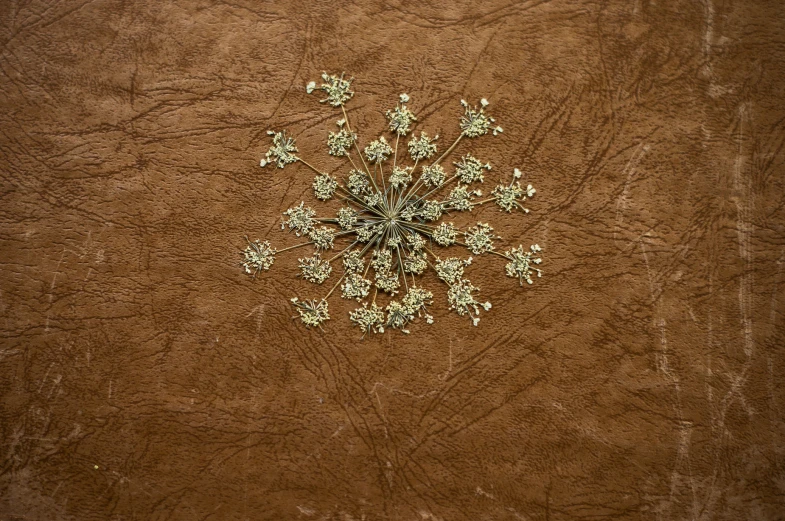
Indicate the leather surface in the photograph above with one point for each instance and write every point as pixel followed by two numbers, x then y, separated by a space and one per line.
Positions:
pixel 143 376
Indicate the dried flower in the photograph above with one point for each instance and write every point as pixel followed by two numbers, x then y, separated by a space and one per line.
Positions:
pixel 479 239
pixel 422 148
pixel 521 261
pixel 312 312
pixel 355 287
pixel 324 186
pixel 400 118
pixel 282 150
pixel 450 270
pixel 358 182
pixel 400 177
pixel 347 217
pixel 370 320
pixel 322 237
pixel 394 219
pixel 470 169
pixel 337 89
pixel 353 261
pixel 314 269
pixel 339 143
pixel 445 234
pixel 378 150
pixel 258 256
pixel 300 219
pixel 433 175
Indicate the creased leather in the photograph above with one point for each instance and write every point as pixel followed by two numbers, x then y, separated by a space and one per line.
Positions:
pixel 143 376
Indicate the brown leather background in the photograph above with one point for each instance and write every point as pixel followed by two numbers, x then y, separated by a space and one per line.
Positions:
pixel 143 376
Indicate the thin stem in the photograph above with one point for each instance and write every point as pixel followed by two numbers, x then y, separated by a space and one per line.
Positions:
pixel 336 285
pixel 447 152
pixel 343 251
pixel 309 165
pixel 295 246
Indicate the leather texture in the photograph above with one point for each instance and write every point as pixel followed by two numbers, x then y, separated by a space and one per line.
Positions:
pixel 144 376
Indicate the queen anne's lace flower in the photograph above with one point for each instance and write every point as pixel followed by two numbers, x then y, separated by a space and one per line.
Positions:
pixel 314 269
pixel 445 234
pixel 300 219
pixel 258 256
pixel 337 89
pixel 470 169
pixel 370 320
pixel 312 312
pixel 339 143
pixel 387 222
pixel 282 151
pixel 322 237
pixel 378 150
pixel 400 119
pixel 433 175
pixel 324 186
pixel 422 148
pixel 400 177
pixel 479 239
pixel 521 262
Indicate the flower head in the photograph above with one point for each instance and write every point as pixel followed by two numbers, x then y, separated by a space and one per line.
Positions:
pixel 355 287
pixel 461 198
pixel 474 122
pixel 314 269
pixel 378 150
pixel 324 186
pixel 369 319
pixel 347 217
pixel 521 261
pixel 445 234
pixel 470 169
pixel 422 148
pixel 461 299
pixel 322 237
pixel 339 143
pixel 400 119
pixel 450 270
pixel 337 89
pixel 258 256
pixel 433 175
pixel 301 219
pixel 353 261
pixel 400 177
pixel 312 312
pixel 282 150
pixel 479 239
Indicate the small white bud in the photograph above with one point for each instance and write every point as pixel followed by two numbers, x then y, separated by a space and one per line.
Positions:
pixel 310 87
pixel 263 163
pixel 484 102
pixel 517 174
pixel 487 306
pixel 404 98
pixel 341 122
pixel 476 320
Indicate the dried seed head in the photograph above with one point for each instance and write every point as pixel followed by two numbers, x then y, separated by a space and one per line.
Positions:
pixel 445 234
pixel 355 287
pixel 479 239
pixel 312 312
pixel 337 89
pixel 282 151
pixel 370 320
pixel 378 150
pixel 422 148
pixel 415 262
pixel 322 237
pixel 400 177
pixel 433 175
pixel 358 182
pixel 301 219
pixel 400 119
pixel 339 143
pixel 347 217
pixel 314 269
pixel 470 169
pixel 324 186
pixel 258 256
pixel 474 122
pixel 521 261
pixel 353 261
pixel 461 299
pixel 450 270
pixel 461 198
